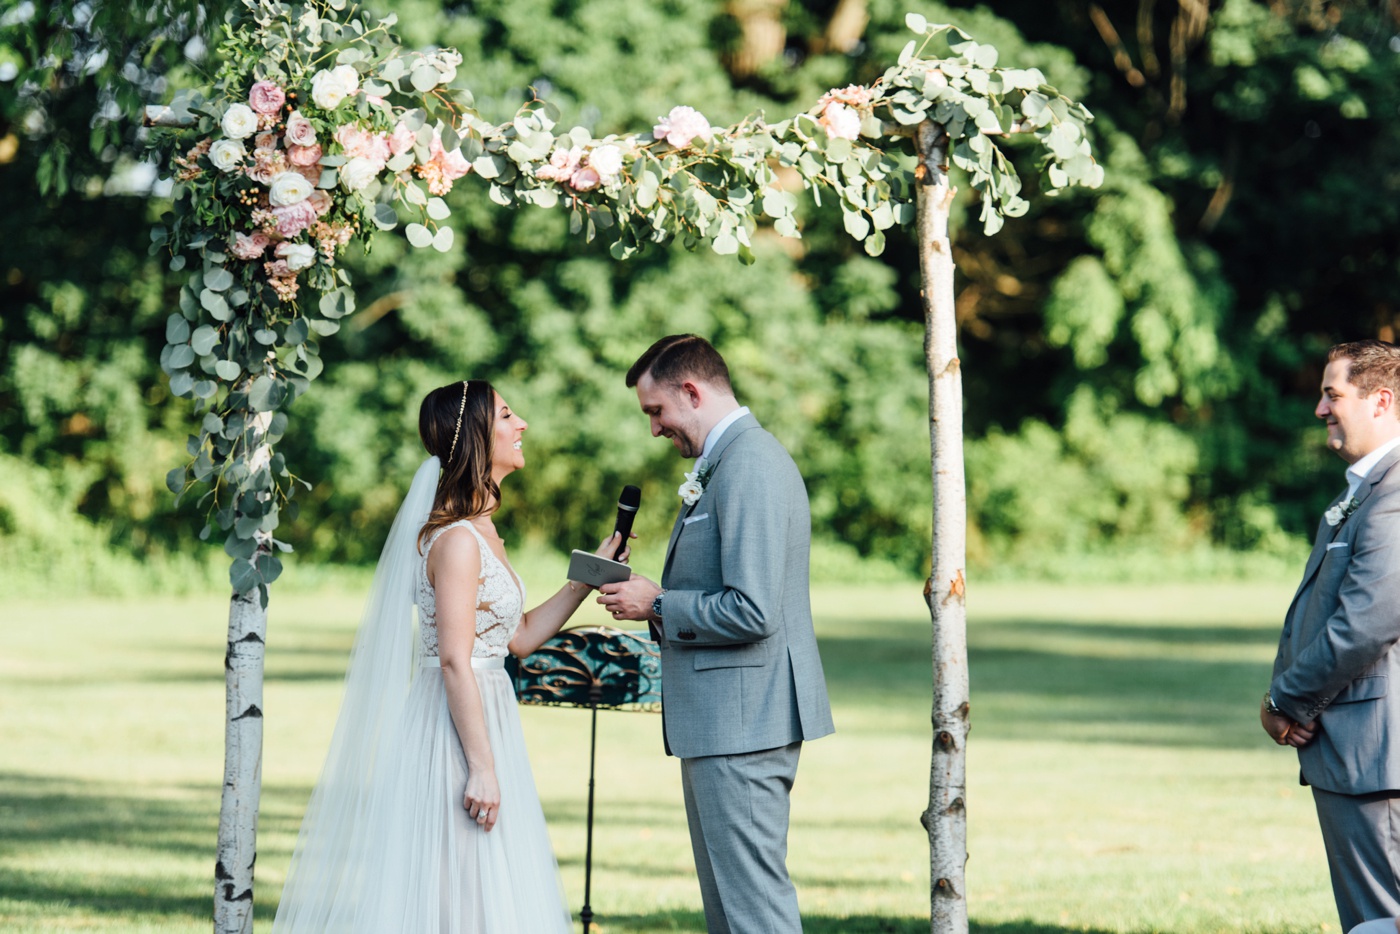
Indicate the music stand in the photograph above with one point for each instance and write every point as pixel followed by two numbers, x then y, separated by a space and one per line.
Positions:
pixel 594 667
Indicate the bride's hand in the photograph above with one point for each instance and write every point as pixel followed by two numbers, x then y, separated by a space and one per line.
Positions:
pixel 483 798
pixel 608 548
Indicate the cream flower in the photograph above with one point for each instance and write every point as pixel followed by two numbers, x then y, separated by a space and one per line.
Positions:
pixel 358 173
pixel 289 188
pixel 239 122
pixel 607 162
pixel 330 87
pixel 690 490
pixel 297 255
pixel 227 154
pixel 841 122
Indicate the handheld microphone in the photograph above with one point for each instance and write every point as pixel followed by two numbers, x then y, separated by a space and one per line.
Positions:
pixel 627 505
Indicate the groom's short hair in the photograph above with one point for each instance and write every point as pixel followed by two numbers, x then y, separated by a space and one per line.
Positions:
pixel 679 357
pixel 1371 365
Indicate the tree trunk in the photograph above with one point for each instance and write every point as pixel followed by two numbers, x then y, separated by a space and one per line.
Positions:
pixel 946 817
pixel 243 729
pixel 243 733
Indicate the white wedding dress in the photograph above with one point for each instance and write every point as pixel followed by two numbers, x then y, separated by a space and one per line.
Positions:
pixel 421 864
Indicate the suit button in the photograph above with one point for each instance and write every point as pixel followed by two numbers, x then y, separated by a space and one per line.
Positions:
pixel 686 634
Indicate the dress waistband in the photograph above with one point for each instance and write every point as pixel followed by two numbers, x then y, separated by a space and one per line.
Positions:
pixel 433 661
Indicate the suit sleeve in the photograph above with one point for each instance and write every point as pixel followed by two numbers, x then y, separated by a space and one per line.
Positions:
pixel 752 502
pixel 1364 626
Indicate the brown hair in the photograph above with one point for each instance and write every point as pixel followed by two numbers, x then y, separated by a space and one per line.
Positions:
pixel 1372 365
pixel 456 423
pixel 674 359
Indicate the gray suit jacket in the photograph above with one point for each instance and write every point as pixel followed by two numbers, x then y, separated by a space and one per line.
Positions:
pixel 739 657
pixel 1337 657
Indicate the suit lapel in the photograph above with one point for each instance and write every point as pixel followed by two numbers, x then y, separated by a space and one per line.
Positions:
pixel 1326 534
pixel 740 426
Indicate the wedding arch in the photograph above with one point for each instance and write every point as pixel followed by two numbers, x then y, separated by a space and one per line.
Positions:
pixel 322 128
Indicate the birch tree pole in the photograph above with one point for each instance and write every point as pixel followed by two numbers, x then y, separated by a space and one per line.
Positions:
pixel 323 128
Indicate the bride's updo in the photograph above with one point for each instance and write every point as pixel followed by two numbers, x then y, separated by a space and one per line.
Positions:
pixel 457 425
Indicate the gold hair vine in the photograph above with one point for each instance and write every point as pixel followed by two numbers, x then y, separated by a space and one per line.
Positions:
pixel 457 433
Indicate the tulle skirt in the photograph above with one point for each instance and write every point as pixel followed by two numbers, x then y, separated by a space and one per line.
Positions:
pixel 423 866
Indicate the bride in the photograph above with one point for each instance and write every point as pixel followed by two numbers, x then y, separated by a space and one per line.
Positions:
pixel 425 819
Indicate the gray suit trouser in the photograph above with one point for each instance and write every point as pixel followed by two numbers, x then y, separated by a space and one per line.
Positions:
pixel 737 807
pixel 1362 837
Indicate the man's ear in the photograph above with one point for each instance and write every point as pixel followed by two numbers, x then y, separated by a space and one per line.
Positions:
pixel 693 392
pixel 1385 402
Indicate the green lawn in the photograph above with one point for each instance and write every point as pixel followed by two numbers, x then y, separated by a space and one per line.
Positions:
pixel 1118 779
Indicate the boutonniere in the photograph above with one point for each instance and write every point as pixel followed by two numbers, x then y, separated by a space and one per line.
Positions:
pixel 694 486
pixel 1339 513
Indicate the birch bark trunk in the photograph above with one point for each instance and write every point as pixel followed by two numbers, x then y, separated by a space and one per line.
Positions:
pixel 243 733
pixel 237 849
pixel 946 817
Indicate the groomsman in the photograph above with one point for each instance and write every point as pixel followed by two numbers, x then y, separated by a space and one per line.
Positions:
pixel 742 683
pixel 1330 697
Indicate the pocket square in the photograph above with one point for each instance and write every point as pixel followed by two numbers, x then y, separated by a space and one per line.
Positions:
pixel 690 519
pixel 1332 545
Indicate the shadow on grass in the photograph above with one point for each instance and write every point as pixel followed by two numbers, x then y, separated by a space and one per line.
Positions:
pixel 693 922
pixel 1159 685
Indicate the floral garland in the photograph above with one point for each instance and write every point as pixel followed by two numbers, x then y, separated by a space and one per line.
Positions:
pixel 323 128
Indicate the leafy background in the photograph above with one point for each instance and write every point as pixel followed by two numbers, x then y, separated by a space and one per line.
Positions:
pixel 1140 361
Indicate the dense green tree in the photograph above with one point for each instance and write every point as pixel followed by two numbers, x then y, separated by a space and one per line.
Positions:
pixel 1139 361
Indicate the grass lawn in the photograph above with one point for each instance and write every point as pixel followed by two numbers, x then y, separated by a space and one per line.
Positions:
pixel 1118 778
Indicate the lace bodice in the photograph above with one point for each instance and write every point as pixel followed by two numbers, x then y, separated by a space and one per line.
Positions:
pixel 500 601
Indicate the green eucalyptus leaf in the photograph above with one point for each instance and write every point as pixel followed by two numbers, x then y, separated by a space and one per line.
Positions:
pixel 418 235
pixel 442 240
pixel 175 480
pixel 218 279
pixel 438 209
pixel 424 78
pixel 177 330
pixel 181 384
pixel 856 224
pixel 385 217
pixel 204 339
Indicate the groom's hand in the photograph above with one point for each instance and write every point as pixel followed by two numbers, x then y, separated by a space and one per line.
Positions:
pixel 1284 731
pixel 630 599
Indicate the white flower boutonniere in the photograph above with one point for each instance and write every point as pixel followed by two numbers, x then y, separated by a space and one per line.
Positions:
pixel 1339 513
pixel 694 486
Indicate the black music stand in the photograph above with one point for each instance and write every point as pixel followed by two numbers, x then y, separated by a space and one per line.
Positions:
pixel 593 667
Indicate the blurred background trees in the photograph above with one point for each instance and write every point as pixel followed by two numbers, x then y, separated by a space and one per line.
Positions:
pixel 1140 362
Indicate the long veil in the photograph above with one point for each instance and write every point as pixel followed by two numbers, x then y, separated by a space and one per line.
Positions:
pixel 333 865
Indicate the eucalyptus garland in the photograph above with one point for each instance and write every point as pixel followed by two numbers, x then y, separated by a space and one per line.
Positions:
pixel 322 128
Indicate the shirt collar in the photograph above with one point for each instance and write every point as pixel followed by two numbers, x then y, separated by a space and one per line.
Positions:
pixel 718 431
pixel 1357 472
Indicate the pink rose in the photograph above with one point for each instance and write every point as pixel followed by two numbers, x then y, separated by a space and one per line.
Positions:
pixel 277 269
pixel 266 97
pixel 563 163
pixel 300 132
pixel 249 246
pixel 402 139
pixel 585 179
pixel 319 201
pixel 682 125
pixel 853 95
pixel 266 140
pixel 303 155
pixel 292 219
pixel 841 122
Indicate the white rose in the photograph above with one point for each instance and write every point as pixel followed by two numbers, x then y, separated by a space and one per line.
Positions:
pixel 329 88
pixel 289 188
pixel 298 255
pixel 227 154
pixel 358 173
pixel 607 162
pixel 239 122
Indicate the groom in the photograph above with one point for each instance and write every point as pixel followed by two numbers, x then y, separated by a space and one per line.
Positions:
pixel 1335 694
pixel 742 682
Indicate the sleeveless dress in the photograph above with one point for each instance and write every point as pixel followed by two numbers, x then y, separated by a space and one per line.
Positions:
pixel 413 861
pixel 504 881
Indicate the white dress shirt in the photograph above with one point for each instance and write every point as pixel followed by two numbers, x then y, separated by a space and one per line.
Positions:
pixel 1358 471
pixel 717 432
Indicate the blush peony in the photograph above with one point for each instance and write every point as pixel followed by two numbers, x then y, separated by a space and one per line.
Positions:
pixel 249 246
pixel 682 125
pixel 297 255
pixel 266 97
pixel 294 218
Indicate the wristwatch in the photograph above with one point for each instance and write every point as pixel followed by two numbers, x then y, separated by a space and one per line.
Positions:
pixel 1270 706
pixel 656 605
